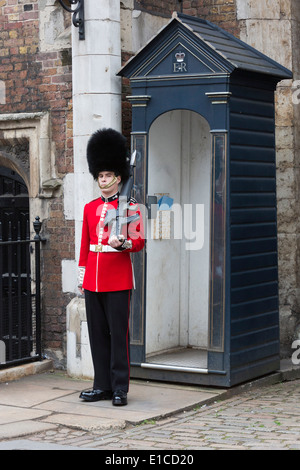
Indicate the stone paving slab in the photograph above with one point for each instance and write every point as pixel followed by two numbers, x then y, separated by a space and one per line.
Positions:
pixel 13 414
pixel 26 394
pixel 52 399
pixel 23 428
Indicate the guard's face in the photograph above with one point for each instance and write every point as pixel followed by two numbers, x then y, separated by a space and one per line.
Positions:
pixel 108 182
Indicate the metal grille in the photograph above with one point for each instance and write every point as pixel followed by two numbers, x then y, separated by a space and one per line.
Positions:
pixel 20 315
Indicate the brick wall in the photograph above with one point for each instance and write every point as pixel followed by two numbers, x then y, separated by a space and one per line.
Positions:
pixel 41 81
pixel 221 12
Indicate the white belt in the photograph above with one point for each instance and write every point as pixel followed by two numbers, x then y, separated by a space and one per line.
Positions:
pixel 103 249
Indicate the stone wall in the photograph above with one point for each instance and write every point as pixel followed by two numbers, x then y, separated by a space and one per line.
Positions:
pixel 295 13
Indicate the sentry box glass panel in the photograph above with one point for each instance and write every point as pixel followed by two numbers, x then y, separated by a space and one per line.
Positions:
pixel 205 307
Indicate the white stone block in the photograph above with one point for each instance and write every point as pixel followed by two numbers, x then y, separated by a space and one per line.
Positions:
pixel 86 356
pixel 284 138
pixel 69 275
pixel 126 30
pixel 271 37
pixel 266 9
pixel 101 37
pixel 98 74
pixel 72 362
pixel 53 34
pixel 144 28
pixel 96 111
pixel 286 183
pixel 69 196
pixel 79 360
pixel 102 9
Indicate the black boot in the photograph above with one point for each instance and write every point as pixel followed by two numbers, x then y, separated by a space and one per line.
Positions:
pixel 119 398
pixel 95 395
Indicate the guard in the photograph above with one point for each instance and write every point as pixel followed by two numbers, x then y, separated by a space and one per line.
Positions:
pixel 112 229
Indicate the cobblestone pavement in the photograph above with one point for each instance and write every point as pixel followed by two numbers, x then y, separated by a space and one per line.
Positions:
pixel 267 418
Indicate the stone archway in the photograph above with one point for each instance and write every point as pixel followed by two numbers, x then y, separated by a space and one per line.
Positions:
pixel 25 147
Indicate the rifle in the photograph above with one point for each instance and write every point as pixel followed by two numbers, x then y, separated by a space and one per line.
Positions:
pixel 117 218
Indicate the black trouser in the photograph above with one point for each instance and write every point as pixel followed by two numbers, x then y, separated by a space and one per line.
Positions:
pixel 108 326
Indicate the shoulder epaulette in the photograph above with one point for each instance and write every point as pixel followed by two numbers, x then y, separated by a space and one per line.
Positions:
pixel 132 200
pixel 133 204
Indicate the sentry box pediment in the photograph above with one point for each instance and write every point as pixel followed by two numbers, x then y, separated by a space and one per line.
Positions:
pixel 192 46
pixel 205 308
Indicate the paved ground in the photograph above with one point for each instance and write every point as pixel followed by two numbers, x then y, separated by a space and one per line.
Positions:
pixel 43 412
pixel 265 419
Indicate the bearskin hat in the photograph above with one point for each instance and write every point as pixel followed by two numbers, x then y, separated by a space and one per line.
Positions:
pixel 107 151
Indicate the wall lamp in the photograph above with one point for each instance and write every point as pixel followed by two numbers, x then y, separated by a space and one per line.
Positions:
pixel 77 14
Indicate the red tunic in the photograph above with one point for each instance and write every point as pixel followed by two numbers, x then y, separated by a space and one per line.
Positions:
pixel 112 271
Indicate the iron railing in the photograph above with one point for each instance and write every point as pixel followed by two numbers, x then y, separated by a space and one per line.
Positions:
pixel 20 297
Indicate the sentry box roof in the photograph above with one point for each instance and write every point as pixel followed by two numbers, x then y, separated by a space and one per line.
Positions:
pixel 209 49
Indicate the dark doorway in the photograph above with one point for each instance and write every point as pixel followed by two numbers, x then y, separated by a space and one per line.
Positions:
pixel 14 204
pixel 15 267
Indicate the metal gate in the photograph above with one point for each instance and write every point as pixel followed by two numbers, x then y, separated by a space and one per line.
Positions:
pixel 20 315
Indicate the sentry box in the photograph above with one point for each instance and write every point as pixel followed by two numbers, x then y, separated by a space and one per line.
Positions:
pixel 205 308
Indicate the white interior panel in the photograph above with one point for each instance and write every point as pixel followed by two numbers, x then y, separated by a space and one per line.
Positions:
pixel 178 259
